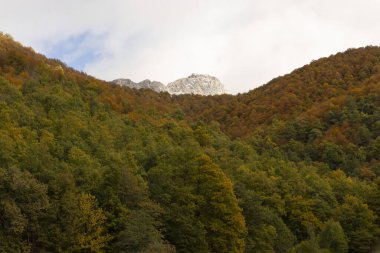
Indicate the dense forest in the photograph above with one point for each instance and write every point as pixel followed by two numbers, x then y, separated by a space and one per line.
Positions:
pixel 89 166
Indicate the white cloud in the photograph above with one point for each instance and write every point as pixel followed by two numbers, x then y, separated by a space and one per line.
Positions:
pixel 244 43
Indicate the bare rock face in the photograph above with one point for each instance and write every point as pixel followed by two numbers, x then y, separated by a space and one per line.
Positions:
pixel 193 84
pixel 196 84
pixel 146 84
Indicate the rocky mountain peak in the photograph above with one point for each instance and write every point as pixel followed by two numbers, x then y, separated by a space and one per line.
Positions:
pixel 194 84
pixel 145 84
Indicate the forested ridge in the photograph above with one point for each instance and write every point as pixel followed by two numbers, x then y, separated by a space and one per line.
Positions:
pixel 89 166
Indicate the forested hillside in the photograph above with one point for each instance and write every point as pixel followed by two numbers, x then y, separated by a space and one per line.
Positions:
pixel 87 166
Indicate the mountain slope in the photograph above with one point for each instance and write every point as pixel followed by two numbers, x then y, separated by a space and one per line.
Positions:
pixel 338 76
pixel 90 166
pixel 327 111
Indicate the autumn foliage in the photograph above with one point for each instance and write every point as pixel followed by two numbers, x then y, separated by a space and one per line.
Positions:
pixel 89 166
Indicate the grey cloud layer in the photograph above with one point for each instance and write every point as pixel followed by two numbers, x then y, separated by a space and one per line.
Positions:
pixel 244 43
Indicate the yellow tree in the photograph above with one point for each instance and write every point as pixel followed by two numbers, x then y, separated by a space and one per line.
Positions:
pixel 92 237
pixel 218 208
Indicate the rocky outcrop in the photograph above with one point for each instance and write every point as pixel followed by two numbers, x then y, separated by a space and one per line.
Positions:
pixel 196 84
pixel 193 84
pixel 146 84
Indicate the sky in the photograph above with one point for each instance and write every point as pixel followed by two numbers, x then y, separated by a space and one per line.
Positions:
pixel 244 43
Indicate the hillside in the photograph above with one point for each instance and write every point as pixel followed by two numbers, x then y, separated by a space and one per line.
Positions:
pixel 86 166
pixel 349 74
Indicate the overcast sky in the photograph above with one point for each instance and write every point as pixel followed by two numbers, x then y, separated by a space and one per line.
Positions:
pixel 245 43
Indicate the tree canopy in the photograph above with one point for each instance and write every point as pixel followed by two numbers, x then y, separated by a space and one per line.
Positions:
pixel 89 166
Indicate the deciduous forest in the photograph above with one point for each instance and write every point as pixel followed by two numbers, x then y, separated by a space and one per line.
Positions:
pixel 90 166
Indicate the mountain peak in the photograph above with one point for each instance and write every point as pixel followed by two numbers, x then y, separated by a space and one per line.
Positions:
pixel 145 84
pixel 196 84
pixel 200 84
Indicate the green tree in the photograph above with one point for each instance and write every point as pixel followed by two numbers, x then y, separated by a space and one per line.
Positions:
pixel 333 238
pixel 358 223
pixel 23 200
pixel 201 209
pixel 134 219
pixel 181 215
pixel 73 222
pixel 309 246
pixel 218 207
